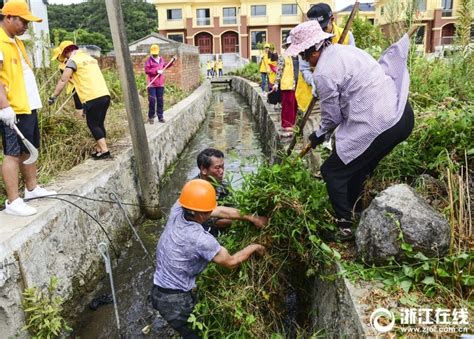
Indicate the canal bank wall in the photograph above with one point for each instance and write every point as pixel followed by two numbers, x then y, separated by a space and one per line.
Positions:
pixel 61 240
pixel 336 309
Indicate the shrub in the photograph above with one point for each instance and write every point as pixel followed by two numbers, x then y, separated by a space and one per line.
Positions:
pixel 43 312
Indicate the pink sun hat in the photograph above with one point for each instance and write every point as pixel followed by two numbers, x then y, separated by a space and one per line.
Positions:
pixel 306 35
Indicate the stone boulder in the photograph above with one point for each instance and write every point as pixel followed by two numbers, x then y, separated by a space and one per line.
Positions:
pixel 400 208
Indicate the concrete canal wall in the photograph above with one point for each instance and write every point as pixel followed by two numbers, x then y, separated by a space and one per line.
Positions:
pixel 62 240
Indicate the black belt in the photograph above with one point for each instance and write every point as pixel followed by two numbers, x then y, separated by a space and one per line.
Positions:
pixel 169 290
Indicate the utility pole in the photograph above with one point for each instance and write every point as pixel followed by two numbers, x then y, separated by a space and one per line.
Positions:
pixel 146 173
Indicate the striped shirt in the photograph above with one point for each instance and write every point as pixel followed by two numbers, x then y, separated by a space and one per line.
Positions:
pixel 360 96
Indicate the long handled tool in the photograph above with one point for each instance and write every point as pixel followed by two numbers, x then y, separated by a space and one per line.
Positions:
pixel 314 99
pixel 164 68
pixel 32 149
pixel 104 251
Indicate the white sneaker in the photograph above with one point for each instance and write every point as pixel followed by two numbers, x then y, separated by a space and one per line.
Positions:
pixel 38 192
pixel 19 207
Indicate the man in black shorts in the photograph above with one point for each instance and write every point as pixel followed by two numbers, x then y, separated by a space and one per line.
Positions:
pixel 19 99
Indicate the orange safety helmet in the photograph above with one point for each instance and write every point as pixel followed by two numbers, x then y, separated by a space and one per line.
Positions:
pixel 198 195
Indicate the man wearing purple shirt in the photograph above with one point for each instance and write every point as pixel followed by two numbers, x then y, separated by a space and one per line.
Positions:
pixel 185 249
pixel 366 100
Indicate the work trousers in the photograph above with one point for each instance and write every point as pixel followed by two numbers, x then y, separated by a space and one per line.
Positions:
pixel 264 81
pixel 95 111
pixel 288 108
pixel 345 183
pixel 155 102
pixel 175 308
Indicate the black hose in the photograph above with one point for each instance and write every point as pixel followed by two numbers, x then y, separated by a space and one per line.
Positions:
pixel 116 253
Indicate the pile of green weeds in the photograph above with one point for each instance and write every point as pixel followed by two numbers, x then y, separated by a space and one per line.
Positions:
pixel 250 301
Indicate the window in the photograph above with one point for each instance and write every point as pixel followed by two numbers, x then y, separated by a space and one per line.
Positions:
pixel 257 37
pixel 174 14
pixel 284 35
pixel 381 10
pixel 229 15
pixel 258 10
pixel 203 17
pixel 421 5
pixel 420 36
pixel 289 9
pixel 176 37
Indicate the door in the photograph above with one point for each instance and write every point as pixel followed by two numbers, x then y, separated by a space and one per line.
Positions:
pixel 204 42
pixel 229 42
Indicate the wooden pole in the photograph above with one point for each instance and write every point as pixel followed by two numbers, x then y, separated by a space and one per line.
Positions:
pixel 147 176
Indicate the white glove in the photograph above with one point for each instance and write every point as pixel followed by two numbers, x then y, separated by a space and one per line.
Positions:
pixel 160 71
pixel 274 88
pixel 7 115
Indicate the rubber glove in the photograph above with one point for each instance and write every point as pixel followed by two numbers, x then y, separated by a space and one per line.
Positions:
pixel 315 140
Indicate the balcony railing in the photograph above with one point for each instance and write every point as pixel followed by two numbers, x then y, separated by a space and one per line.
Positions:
pixel 203 21
pixel 229 20
pixel 447 13
pixel 447 40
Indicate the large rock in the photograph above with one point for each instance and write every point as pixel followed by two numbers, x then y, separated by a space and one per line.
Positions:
pixel 396 209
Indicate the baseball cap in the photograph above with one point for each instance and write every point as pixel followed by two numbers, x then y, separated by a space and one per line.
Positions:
pixel 320 12
pixel 20 9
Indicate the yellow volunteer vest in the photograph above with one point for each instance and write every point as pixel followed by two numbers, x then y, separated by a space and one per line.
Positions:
pixel 303 90
pixel 272 75
pixel 287 81
pixel 208 66
pixel 11 74
pixel 264 63
pixel 88 79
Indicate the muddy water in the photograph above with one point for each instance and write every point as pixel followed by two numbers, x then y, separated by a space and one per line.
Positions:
pixel 228 127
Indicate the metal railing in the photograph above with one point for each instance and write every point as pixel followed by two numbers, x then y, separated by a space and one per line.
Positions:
pixel 447 13
pixel 229 20
pixel 203 21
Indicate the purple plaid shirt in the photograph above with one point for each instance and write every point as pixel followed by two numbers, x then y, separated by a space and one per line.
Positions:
pixel 360 96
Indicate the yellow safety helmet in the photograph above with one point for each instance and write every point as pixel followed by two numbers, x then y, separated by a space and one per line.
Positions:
pixel 154 49
pixel 198 195
pixel 267 45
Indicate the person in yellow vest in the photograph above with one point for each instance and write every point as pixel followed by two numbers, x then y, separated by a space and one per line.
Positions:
pixel 264 67
pixel 70 86
pixel 19 100
pixel 286 81
pixel 209 68
pixel 323 14
pixel 84 72
pixel 219 67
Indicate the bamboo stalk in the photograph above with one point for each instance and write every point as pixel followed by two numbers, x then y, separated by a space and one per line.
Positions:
pixel 469 219
pixel 461 209
pixel 451 210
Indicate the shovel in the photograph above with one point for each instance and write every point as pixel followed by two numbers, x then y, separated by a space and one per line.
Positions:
pixel 32 149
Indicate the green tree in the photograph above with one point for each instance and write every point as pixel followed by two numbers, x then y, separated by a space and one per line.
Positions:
pixel 140 20
pixel 367 35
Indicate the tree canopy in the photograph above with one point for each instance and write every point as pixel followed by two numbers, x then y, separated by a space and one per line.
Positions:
pixel 87 23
